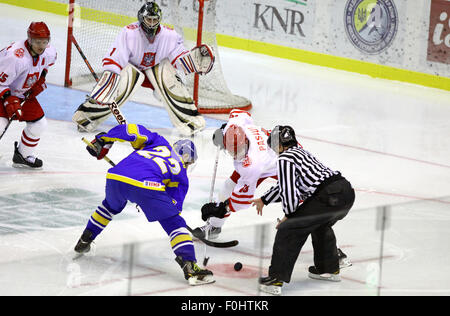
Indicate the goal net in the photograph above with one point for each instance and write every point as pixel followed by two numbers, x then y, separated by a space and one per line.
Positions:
pixel 94 25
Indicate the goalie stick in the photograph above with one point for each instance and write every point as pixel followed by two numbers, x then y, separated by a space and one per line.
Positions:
pixel 115 110
pixel 226 244
pixel 84 58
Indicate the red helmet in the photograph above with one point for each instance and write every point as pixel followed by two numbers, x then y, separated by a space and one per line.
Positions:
pixel 38 30
pixel 236 142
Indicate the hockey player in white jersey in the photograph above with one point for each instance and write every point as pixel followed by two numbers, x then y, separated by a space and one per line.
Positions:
pixel 152 55
pixel 253 162
pixel 23 66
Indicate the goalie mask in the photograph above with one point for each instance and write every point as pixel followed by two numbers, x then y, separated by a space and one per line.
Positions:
pixel 236 142
pixel 149 17
pixel 187 151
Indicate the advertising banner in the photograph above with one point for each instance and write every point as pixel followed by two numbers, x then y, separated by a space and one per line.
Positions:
pixel 439 32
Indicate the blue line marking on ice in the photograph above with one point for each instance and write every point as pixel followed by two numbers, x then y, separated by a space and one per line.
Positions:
pixel 60 103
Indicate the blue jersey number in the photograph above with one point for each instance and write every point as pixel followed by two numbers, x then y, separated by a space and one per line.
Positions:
pixel 157 155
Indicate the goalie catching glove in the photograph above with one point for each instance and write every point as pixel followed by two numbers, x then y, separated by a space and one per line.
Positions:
pixel 214 210
pixel 199 60
pixel 99 147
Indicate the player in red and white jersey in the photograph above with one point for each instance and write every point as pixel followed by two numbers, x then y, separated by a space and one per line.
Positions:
pixel 254 162
pixel 23 67
pixel 137 50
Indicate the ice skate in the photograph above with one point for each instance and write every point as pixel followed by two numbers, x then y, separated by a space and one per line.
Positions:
pixel 84 243
pixel 194 274
pixel 270 285
pixel 344 262
pixel 207 232
pixel 326 276
pixel 29 162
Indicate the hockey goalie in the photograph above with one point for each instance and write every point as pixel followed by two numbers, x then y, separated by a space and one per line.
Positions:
pixel 147 54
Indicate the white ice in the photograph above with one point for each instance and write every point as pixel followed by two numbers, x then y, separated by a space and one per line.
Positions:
pixel 390 139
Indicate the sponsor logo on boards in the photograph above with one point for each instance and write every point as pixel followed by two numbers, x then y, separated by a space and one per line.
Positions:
pixel 439 32
pixel 371 25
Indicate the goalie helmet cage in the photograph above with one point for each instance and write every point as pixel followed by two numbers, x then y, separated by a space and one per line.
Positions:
pixel 94 24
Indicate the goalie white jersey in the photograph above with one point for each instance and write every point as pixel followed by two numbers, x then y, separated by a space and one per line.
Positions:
pixel 19 70
pixel 132 46
pixel 260 162
pixel 134 60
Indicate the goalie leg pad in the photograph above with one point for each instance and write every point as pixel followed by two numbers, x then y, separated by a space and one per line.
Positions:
pixel 111 90
pixel 175 97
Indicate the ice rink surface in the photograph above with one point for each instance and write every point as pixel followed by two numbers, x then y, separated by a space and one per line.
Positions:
pixel 390 139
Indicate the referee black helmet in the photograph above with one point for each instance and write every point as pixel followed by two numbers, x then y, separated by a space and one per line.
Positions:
pixel 282 135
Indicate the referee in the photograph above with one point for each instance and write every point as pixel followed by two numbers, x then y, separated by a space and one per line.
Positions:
pixel 314 197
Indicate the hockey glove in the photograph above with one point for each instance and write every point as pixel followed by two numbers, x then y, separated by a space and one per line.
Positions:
pixel 12 107
pixel 214 210
pixel 36 89
pixel 100 147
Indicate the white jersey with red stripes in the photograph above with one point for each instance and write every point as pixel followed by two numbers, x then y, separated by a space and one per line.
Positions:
pixel 19 70
pixel 132 46
pixel 260 162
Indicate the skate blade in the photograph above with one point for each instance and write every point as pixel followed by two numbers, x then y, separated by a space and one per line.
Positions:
pixel 344 263
pixel 22 166
pixel 77 256
pixel 194 281
pixel 270 289
pixel 325 277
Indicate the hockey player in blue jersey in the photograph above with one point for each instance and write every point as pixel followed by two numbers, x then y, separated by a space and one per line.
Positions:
pixel 154 176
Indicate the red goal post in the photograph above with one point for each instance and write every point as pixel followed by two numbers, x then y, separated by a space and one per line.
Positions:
pixel 94 24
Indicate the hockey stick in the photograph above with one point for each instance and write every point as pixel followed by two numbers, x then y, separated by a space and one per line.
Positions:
pixel 93 147
pixel 84 58
pixel 7 125
pixel 213 180
pixel 211 193
pixel 227 244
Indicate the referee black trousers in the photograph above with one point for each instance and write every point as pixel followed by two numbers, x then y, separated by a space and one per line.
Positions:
pixel 315 216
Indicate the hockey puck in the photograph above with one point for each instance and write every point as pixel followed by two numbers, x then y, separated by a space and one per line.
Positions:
pixel 205 261
pixel 237 266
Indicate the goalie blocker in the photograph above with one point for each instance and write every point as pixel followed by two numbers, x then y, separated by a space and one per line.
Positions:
pixel 113 89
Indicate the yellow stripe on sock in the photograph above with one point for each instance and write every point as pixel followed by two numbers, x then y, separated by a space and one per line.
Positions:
pixel 179 239
pixel 100 219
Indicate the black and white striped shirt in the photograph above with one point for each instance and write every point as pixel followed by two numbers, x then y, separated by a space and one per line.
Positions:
pixel 299 174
